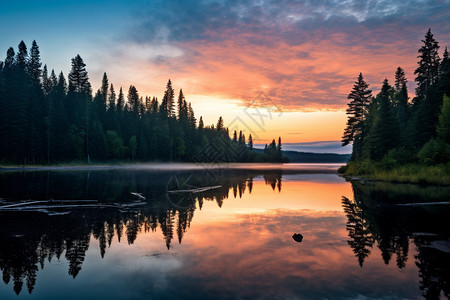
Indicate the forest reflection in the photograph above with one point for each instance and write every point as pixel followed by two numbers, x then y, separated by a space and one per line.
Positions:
pixel 390 216
pixel 253 245
pixel 29 239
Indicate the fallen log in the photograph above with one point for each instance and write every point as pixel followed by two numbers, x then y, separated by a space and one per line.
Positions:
pixel 197 190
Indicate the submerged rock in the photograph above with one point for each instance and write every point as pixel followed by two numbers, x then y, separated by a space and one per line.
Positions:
pixel 297 237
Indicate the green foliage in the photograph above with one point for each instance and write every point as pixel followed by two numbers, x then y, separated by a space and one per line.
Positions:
pixel 443 128
pixel 115 147
pixel 434 152
pixel 44 119
pixel 401 141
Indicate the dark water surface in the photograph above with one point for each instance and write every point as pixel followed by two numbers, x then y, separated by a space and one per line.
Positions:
pixel 207 233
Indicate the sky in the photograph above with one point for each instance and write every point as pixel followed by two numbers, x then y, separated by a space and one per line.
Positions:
pixel 268 67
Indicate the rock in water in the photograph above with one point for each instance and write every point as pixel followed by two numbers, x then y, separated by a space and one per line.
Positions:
pixel 297 237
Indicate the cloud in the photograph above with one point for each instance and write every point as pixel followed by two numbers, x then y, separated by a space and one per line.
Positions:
pixel 304 54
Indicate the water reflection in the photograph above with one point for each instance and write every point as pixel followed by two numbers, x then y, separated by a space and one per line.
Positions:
pixel 240 243
pixel 29 239
pixel 389 216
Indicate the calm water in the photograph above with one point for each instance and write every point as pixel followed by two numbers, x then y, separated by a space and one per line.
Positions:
pixel 233 241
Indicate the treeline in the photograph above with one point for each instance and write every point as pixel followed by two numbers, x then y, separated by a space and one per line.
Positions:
pixel 392 130
pixel 46 118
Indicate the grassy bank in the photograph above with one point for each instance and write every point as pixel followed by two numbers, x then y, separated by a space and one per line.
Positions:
pixel 409 173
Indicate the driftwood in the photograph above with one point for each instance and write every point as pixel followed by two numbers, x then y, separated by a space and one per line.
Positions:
pixel 46 206
pixel 197 190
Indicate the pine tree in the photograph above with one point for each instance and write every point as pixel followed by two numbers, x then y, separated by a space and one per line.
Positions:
pixel 401 100
pixel 9 60
pixel 53 79
pixel 191 117
pixel 154 105
pixel 428 100
pixel 104 89
pixel 167 108
pixel 46 82
pixel 133 99
pixel 78 77
pixel 201 125
pixel 182 107
pixel 220 126
pixel 22 56
pixel 250 142
pixel 120 101
pixel 384 134
pixel 360 98
pixel 34 64
pixel 111 99
pixel 428 69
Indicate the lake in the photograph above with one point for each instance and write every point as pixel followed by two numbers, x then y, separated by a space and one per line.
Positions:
pixel 209 232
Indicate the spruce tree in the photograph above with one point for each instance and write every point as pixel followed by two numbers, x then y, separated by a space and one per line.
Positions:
pixel 104 88
pixel 133 100
pixel 46 82
pixel 428 69
pixel 182 107
pixel 111 99
pixel 34 65
pixel 360 98
pixel 120 101
pixel 9 60
pixel 428 100
pixel 401 100
pixel 167 108
pixel 250 142
pixel 22 56
pixel 78 77
pixel 220 126
pixel 384 135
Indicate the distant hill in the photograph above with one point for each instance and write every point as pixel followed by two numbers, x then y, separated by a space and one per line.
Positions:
pixel 309 157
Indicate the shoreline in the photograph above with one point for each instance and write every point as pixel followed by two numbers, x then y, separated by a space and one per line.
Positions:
pixel 181 166
pixel 436 175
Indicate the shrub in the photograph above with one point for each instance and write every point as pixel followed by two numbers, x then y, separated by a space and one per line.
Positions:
pixel 434 152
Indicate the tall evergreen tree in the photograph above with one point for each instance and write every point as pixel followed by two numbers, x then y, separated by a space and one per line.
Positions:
pixel 34 64
pixel 104 88
pixel 78 77
pixel 360 98
pixel 220 126
pixel 46 82
pixel 9 60
pixel 120 101
pixel 133 99
pixel 250 142
pixel 167 108
pixel 401 101
pixel 428 100
pixel 384 134
pixel 182 107
pixel 112 99
pixel 428 69
pixel 22 56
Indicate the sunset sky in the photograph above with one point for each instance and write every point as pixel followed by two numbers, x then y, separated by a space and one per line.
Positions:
pixel 269 67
